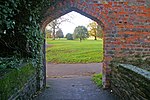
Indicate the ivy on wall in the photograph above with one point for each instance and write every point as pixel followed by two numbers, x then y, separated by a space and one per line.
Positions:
pixel 21 39
pixel 20 33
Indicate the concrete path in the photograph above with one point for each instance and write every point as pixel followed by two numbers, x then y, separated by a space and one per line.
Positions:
pixel 73 82
pixel 76 88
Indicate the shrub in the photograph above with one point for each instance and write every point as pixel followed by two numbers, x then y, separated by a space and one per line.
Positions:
pixel 69 36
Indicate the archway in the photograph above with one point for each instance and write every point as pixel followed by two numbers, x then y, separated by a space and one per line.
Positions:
pixel 85 56
pixel 126 29
pixel 120 33
pixel 92 11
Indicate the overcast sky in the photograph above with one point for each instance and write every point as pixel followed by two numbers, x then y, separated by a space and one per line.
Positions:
pixel 76 20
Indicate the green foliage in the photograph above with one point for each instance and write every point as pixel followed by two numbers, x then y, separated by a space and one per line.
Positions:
pixel 21 38
pixel 72 51
pixel 69 36
pixel 48 33
pixel 97 79
pixel 19 27
pixel 59 34
pixel 14 80
pixel 11 62
pixel 20 31
pixel 95 30
pixel 81 32
pixel 99 32
pixel 17 22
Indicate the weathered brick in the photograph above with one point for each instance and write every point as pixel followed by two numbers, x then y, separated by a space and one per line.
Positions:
pixel 126 24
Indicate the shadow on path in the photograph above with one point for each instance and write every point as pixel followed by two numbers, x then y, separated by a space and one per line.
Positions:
pixel 73 82
pixel 76 88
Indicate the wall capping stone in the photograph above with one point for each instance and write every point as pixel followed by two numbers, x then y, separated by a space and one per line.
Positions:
pixel 140 71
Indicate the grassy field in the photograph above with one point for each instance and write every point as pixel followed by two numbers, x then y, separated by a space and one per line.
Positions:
pixel 73 51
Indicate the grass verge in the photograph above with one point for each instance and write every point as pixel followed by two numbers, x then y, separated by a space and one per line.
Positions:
pixel 97 79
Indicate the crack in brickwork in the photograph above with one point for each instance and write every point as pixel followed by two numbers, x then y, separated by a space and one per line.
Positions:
pixel 126 25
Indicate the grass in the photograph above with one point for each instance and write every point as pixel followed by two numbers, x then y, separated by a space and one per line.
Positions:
pixel 73 51
pixel 97 79
pixel 15 80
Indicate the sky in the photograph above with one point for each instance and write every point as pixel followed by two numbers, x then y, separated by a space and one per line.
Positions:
pixel 76 19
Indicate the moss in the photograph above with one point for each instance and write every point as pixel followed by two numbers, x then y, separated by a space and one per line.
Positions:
pixel 14 80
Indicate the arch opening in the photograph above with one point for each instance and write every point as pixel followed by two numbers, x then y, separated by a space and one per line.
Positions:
pixel 102 19
pixel 94 20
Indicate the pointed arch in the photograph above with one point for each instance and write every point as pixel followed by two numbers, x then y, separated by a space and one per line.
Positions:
pixel 93 10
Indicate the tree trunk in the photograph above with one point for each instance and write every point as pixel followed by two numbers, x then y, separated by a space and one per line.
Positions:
pixel 80 39
pixel 95 38
pixel 54 33
pixel 53 36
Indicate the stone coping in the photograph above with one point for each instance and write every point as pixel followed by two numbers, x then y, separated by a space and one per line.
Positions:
pixel 140 71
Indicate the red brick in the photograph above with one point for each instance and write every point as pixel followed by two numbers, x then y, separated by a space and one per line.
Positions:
pixel 129 35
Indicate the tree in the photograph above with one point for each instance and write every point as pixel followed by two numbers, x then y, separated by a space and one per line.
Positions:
pixel 48 33
pixel 95 30
pixel 69 36
pixel 55 24
pixel 59 34
pixel 99 31
pixel 80 32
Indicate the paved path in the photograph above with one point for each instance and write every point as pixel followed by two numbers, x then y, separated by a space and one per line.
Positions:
pixel 76 88
pixel 67 70
pixel 73 82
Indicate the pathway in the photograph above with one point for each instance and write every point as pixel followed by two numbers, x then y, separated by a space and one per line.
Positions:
pixel 73 82
pixel 67 70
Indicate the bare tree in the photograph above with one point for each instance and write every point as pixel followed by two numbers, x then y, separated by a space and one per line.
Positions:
pixel 55 24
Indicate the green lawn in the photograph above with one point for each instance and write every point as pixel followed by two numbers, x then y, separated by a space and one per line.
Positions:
pixel 73 51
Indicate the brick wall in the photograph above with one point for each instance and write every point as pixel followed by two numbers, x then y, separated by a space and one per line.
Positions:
pixel 130 82
pixel 126 25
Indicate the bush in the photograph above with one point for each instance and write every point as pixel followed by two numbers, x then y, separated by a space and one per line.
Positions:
pixel 69 36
